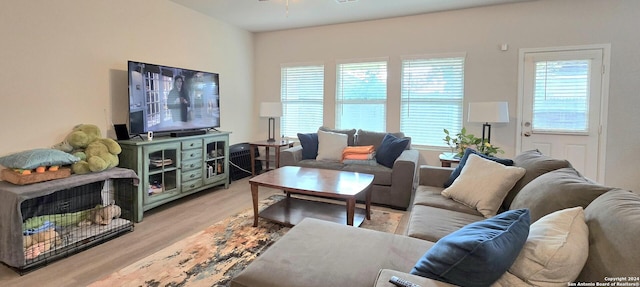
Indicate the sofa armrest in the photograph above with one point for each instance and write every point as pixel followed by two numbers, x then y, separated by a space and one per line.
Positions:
pixel 291 156
pixel 405 165
pixel 385 274
pixel 403 177
pixel 434 175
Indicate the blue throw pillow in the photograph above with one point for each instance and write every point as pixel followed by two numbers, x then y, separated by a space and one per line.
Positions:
pixel 479 253
pixel 31 159
pixel 390 149
pixel 463 161
pixel 309 144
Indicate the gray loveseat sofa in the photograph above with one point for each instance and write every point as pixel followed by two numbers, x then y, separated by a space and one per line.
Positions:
pixel 319 253
pixel 391 187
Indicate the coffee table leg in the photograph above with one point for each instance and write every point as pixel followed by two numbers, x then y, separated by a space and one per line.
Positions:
pixel 368 202
pixel 351 207
pixel 254 197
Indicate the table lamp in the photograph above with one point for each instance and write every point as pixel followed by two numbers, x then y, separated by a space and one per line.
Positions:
pixel 486 113
pixel 271 110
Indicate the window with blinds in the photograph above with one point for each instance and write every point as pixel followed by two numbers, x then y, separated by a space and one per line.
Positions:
pixel 361 96
pixel 561 96
pixel 301 94
pixel 432 94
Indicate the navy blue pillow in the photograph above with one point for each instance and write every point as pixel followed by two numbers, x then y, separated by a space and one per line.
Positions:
pixel 479 253
pixel 463 161
pixel 390 149
pixel 309 144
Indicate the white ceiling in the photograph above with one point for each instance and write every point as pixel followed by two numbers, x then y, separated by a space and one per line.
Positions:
pixel 271 15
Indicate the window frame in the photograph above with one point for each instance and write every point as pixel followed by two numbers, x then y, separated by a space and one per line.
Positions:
pixel 340 101
pixel 304 102
pixel 405 102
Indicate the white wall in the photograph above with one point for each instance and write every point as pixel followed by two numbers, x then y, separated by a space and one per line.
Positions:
pixel 490 74
pixel 64 62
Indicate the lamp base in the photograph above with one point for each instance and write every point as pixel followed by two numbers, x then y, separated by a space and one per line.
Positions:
pixel 272 130
pixel 486 127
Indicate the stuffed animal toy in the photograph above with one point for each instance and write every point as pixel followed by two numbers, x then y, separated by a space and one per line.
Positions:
pixel 40 242
pixel 102 215
pixel 95 152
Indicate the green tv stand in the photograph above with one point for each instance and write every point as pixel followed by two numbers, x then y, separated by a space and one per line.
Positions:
pixel 173 167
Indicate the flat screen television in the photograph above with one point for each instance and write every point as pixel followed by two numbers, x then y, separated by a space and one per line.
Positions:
pixel 165 99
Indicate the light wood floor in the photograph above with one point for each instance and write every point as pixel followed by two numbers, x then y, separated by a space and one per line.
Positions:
pixel 160 228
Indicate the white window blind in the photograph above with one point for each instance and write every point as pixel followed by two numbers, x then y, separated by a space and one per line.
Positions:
pixel 431 98
pixel 561 96
pixel 301 94
pixel 361 96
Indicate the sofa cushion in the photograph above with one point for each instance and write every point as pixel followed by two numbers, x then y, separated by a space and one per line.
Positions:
pixel 479 253
pixel 324 164
pixel 536 164
pixel 433 223
pixel 557 190
pixel 555 251
pixel 613 220
pixel 373 138
pixel 351 133
pixel 483 184
pixel 309 143
pixel 381 174
pixel 390 149
pixel 432 196
pixel 369 162
pixel 330 145
pixel 463 162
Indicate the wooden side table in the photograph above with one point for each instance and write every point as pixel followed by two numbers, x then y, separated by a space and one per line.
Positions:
pixel 267 145
pixel 446 159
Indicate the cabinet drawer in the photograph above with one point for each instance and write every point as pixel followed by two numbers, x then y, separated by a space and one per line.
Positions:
pixel 191 175
pixel 191 144
pixel 190 185
pixel 192 154
pixel 191 164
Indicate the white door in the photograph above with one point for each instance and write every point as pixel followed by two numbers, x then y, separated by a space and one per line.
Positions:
pixel 561 107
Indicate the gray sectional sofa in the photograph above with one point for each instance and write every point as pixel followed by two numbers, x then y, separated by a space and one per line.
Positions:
pixel 391 187
pixel 319 253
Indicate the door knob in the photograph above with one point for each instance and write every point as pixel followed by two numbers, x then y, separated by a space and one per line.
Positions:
pixel 527 134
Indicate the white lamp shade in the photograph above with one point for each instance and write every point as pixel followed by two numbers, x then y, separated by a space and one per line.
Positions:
pixel 271 109
pixel 489 112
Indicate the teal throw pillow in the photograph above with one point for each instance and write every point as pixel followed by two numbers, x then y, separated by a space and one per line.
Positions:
pixel 309 143
pixel 479 253
pixel 390 149
pixel 463 161
pixel 31 159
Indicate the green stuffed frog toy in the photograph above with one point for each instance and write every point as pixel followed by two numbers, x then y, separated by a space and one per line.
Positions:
pixel 95 152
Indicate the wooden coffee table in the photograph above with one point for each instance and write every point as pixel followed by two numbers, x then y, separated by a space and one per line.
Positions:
pixel 312 181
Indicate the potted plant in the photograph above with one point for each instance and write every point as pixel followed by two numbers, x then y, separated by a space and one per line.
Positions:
pixel 462 140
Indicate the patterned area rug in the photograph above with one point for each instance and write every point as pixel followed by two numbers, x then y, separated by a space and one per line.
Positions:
pixel 215 255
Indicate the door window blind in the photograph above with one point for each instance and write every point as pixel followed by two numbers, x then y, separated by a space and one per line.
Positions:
pixel 561 96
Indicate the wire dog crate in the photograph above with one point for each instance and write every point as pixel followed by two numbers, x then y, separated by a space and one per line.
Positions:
pixel 56 225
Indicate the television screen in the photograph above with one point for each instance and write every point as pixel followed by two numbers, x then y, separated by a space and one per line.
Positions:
pixel 164 99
